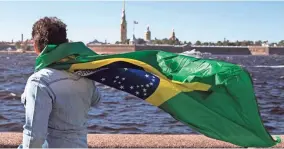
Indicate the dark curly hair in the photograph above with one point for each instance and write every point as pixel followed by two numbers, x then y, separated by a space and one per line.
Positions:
pixel 49 30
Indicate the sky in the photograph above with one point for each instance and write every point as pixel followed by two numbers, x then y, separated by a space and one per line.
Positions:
pixel 204 21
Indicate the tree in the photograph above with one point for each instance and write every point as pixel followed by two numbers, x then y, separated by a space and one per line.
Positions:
pixel 273 44
pixel 25 46
pixel 258 43
pixel 205 43
pixel 140 41
pixel 95 41
pixel 198 43
pixel 244 43
pixel 238 43
pixel 281 43
pixel 219 43
pixel 189 43
pixel 18 45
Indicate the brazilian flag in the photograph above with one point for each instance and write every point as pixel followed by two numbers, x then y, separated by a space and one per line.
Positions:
pixel 213 97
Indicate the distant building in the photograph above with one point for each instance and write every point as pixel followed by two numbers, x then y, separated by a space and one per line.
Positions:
pixel 123 26
pixel 265 44
pixel 133 41
pixel 173 36
pixel 95 42
pixel 148 34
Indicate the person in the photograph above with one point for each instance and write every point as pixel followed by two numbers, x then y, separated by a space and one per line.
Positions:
pixel 56 101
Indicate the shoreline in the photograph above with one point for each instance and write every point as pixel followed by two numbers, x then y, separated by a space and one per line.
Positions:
pixel 12 52
pixel 12 140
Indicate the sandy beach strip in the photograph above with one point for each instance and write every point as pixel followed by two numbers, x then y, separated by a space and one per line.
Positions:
pixel 12 140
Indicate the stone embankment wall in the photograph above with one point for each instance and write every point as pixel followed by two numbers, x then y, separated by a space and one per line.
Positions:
pixel 217 50
pixel 175 49
pixel 223 50
pixel 112 49
pixel 276 50
pixel 6 46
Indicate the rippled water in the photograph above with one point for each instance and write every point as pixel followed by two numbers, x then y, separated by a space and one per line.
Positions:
pixel 122 113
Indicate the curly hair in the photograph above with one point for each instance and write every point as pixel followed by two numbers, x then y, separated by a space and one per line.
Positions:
pixel 49 30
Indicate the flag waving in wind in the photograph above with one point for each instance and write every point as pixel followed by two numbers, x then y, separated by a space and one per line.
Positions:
pixel 212 97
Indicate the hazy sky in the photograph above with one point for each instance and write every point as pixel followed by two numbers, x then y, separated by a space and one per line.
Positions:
pixel 205 21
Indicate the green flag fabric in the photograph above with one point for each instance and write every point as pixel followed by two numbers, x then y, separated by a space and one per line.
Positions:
pixel 213 97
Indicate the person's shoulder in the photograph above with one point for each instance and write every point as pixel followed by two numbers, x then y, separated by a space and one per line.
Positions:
pixel 48 75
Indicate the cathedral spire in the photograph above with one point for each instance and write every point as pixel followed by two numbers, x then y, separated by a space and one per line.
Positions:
pixel 123 5
pixel 123 26
pixel 173 37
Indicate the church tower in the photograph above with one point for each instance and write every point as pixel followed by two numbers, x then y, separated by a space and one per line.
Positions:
pixel 148 34
pixel 123 26
pixel 173 37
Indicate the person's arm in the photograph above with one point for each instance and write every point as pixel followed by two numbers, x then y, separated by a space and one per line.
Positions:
pixel 96 96
pixel 38 104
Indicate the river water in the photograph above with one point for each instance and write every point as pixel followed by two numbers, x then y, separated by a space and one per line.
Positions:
pixel 122 113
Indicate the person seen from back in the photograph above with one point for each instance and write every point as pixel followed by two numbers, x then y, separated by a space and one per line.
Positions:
pixel 56 101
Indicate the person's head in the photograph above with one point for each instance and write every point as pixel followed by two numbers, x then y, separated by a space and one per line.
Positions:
pixel 48 30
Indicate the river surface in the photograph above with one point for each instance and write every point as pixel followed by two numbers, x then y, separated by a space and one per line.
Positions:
pixel 122 113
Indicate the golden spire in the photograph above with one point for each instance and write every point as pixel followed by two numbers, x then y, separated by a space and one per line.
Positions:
pixel 148 34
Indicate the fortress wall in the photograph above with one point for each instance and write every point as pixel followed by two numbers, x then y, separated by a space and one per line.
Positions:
pixel 5 46
pixel 251 50
pixel 223 50
pixel 112 49
pixel 159 47
pixel 276 50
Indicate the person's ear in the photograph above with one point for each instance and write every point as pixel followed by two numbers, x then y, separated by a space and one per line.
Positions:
pixel 37 51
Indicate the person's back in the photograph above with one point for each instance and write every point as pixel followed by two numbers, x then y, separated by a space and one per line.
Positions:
pixel 62 101
pixel 56 102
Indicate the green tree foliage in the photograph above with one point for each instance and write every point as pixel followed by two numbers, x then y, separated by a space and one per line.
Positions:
pixel 198 43
pixel 166 41
pixel 281 43
pixel 18 45
pixel 210 43
pixel 25 46
pixel 140 41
